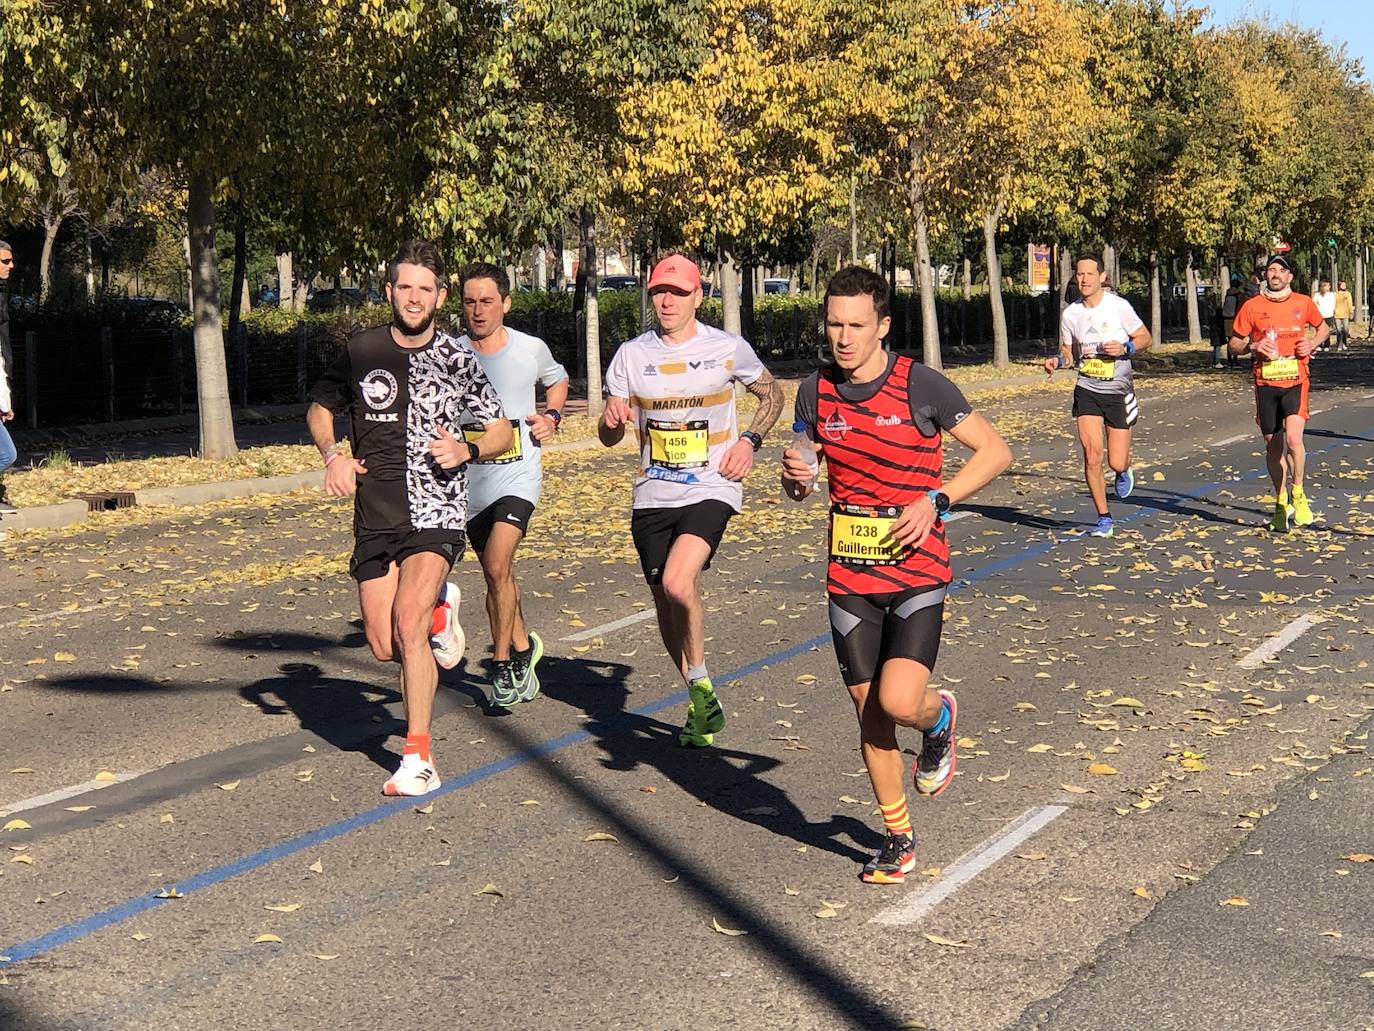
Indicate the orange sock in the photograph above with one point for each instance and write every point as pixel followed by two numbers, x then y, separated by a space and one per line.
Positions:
pixel 418 744
pixel 895 817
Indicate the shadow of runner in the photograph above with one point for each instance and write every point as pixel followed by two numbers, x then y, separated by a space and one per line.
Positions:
pixel 625 736
pixel 1017 517
pixel 728 780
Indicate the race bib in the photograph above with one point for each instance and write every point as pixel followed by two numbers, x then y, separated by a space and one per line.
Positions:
pixel 1280 369
pixel 679 445
pixel 1098 368
pixel 859 536
pixel 511 454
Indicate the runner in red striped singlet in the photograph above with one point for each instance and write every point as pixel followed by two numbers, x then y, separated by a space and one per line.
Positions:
pixel 877 420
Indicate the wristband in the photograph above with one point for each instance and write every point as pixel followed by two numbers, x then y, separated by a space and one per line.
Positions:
pixel 1130 349
pixel 329 457
pixel 1060 363
pixel 473 454
pixel 754 439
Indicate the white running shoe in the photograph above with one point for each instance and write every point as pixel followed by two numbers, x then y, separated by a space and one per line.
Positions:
pixel 413 777
pixel 446 636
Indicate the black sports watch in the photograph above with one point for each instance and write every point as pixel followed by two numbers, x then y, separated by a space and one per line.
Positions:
pixel 940 500
pixel 473 454
pixel 556 416
pixel 753 438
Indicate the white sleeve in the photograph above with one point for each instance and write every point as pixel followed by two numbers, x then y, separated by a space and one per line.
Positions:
pixel 616 383
pixel 1130 321
pixel 551 370
pixel 748 368
pixel 6 401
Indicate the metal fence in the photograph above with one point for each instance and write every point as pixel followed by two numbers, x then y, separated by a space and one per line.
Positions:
pixel 69 374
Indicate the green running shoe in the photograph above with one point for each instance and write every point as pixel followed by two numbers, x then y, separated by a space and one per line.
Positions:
pixel 1279 524
pixel 526 679
pixel 503 689
pixel 705 717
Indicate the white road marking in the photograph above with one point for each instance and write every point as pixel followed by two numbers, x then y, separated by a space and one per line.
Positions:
pixel 1231 440
pixel 39 617
pixel 970 865
pixel 638 617
pixel 62 794
pixel 1280 641
pixel 1316 411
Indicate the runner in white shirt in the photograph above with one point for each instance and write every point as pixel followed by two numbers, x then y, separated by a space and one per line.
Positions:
pixel 676 387
pixel 503 490
pixel 1325 300
pixel 1098 334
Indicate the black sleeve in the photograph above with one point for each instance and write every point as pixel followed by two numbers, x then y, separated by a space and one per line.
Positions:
pixel 807 402
pixel 936 403
pixel 335 388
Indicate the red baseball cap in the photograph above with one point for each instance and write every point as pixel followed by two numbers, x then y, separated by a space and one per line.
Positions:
pixel 676 270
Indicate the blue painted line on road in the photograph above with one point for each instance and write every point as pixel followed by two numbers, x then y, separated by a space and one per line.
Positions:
pixel 133 907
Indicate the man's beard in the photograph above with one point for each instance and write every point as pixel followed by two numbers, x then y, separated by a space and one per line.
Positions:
pixel 399 322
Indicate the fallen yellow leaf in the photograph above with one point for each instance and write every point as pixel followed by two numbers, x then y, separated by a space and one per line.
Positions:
pixel 285 907
pixel 64 657
pixel 947 942
pixel 1236 900
pixel 18 825
pixel 317 866
pixel 230 786
pixel 267 939
pixel 1074 789
pixel 601 836
pixel 1102 770
pixel 1359 857
pixel 730 931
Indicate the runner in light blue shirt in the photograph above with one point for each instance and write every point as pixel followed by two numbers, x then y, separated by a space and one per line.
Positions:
pixel 503 490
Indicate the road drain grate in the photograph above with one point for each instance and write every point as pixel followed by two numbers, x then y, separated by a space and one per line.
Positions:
pixel 108 501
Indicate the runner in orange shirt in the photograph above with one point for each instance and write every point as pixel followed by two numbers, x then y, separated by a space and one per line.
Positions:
pixel 1273 328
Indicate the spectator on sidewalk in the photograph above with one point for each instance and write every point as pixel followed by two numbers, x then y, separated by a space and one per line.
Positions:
pixel 1325 301
pixel 1345 311
pixel 7 451
pixel 1230 304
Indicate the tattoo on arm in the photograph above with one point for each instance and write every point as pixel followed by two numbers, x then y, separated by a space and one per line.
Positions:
pixel 769 393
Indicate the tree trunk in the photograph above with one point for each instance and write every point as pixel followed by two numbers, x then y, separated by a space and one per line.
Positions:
pixel 1156 308
pixel 1065 275
pixel 302 293
pixel 52 224
pixel 930 323
pixel 90 265
pixel 1194 321
pixel 815 273
pixel 285 282
pixel 1359 298
pixel 212 379
pixel 240 273
pixel 1001 349
pixel 595 402
pixel 853 221
pixel 1109 264
pixel 729 293
pixel 541 268
pixel 968 278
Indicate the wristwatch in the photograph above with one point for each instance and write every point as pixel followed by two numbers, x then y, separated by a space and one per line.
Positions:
pixel 940 500
pixel 556 416
pixel 753 438
pixel 473 454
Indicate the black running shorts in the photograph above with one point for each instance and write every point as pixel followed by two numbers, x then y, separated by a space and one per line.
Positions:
pixel 655 529
pixel 1119 410
pixel 515 511
pixel 374 552
pixel 1273 405
pixel 869 629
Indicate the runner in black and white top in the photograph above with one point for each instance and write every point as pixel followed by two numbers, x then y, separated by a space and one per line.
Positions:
pixel 1098 334
pixel 406 387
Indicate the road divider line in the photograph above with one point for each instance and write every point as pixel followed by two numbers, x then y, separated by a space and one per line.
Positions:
pixel 1280 641
pixel 605 628
pixel 1231 440
pixel 62 794
pixel 970 865
pixel 39 617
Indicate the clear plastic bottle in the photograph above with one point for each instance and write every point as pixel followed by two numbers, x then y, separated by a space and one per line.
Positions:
pixel 803 445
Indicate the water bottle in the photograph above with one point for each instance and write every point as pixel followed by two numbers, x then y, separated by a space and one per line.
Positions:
pixel 803 445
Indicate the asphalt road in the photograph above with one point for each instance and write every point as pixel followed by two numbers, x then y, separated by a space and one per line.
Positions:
pixel 201 679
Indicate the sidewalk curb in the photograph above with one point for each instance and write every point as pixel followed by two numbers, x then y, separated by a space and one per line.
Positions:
pixel 201 493
pixel 45 517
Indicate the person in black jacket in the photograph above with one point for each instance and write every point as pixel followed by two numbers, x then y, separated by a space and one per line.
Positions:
pixel 7 451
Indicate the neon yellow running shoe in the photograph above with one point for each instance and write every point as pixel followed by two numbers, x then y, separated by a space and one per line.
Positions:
pixel 1279 524
pixel 705 717
pixel 1302 511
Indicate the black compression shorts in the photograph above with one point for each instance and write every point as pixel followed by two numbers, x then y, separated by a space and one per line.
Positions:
pixel 869 629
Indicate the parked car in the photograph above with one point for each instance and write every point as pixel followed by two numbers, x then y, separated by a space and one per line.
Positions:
pixel 619 283
pixel 347 297
pixel 777 286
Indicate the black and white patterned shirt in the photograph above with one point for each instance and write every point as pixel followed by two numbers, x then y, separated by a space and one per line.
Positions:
pixel 397 396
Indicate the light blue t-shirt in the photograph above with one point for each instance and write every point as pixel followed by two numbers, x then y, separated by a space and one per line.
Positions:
pixel 513 371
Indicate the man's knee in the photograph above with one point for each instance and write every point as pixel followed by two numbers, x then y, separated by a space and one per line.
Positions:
pixel 680 587
pixel 380 643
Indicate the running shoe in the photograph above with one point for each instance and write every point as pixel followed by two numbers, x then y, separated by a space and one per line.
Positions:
pixel 414 777
pixel 1125 483
pixel 934 767
pixel 526 676
pixel 705 717
pixel 7 509
pixel 893 861
pixel 1103 528
pixel 503 689
pixel 446 637
pixel 1279 524
pixel 1302 511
